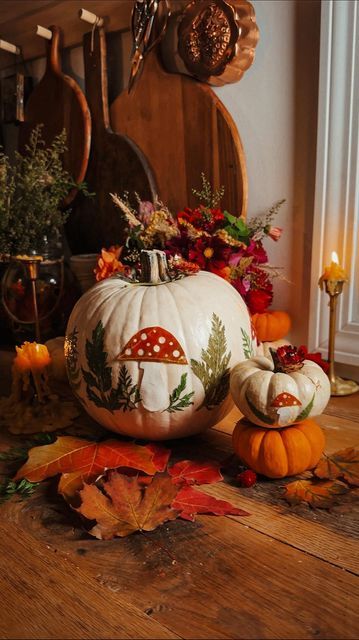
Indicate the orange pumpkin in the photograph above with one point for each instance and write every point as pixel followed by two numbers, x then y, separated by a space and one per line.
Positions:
pixel 271 325
pixel 277 453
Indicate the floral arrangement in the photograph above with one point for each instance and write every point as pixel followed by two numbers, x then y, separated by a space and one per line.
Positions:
pixel 206 238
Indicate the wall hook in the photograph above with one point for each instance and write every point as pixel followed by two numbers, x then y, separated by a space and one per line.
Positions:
pixel 11 48
pixel 90 17
pixel 43 33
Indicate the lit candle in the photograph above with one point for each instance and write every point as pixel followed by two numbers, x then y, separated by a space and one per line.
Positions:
pixel 334 272
pixel 31 356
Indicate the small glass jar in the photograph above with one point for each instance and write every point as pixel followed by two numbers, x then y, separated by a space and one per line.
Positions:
pixel 42 271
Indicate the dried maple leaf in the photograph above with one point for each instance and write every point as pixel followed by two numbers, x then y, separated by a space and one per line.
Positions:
pixel 190 501
pixel 321 494
pixel 341 464
pixel 125 505
pixel 191 472
pixel 84 459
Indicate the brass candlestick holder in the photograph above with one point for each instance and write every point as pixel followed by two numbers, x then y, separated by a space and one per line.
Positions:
pixel 32 266
pixel 339 386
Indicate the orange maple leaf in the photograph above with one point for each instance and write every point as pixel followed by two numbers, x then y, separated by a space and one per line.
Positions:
pixel 341 464
pixel 316 493
pixel 83 460
pixel 125 505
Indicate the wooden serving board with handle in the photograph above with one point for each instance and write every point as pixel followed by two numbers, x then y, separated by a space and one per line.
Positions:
pixel 183 129
pixel 116 163
pixel 58 103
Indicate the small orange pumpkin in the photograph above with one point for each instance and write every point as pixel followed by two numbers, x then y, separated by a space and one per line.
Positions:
pixel 277 453
pixel 271 325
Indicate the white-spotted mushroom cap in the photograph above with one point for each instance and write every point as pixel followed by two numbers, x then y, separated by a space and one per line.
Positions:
pixel 153 344
pixel 285 399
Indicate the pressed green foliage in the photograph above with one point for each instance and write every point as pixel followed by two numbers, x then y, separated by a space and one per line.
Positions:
pixel 213 370
pixel 247 344
pixel 99 378
pixel 306 411
pixel 259 413
pixel 178 403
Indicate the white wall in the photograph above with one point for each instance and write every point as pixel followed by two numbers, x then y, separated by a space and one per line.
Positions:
pixel 275 109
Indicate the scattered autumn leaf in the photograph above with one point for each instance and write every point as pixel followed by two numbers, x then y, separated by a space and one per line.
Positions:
pixel 321 494
pixel 125 505
pixel 190 501
pixel 191 472
pixel 341 464
pixel 83 460
pixel 161 455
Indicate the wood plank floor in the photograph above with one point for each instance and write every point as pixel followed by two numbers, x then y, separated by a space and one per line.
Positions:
pixel 289 573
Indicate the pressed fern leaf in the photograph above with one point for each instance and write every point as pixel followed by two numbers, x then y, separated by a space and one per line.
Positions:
pixel 213 370
pixel 98 380
pixel 247 344
pixel 176 402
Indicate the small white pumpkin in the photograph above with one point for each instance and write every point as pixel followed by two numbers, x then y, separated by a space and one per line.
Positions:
pixel 152 360
pixel 277 399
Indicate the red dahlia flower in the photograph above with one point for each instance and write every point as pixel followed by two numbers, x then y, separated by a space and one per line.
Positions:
pixel 210 253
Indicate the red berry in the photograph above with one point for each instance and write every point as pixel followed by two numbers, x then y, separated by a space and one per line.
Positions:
pixel 247 478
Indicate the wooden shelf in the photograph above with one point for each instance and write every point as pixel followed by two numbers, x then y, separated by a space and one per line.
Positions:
pixel 18 20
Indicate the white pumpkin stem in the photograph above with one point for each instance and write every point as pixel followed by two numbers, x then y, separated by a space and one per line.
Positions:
pixel 154 268
pixel 153 390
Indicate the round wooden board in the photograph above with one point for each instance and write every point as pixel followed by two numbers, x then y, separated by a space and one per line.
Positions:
pixel 183 129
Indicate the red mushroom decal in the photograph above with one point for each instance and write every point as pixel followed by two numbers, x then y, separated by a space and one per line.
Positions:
pixel 150 346
pixel 284 404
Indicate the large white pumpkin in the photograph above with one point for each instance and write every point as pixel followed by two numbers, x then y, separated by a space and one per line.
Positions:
pixel 153 361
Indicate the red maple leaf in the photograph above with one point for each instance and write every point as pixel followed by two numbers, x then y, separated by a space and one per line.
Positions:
pixel 190 501
pixel 191 472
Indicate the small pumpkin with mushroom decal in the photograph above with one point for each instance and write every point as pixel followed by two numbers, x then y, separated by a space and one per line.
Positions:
pixel 152 359
pixel 280 391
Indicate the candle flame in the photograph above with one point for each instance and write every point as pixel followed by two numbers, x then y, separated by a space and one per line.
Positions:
pixel 335 257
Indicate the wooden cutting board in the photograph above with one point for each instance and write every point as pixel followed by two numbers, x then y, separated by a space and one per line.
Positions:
pixel 58 103
pixel 116 164
pixel 183 129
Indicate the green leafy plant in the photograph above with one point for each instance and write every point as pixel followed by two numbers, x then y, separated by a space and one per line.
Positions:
pixel 178 403
pixel 99 378
pixel 32 188
pixel 22 488
pixel 213 369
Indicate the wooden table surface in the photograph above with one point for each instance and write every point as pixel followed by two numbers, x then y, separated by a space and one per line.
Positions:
pixel 282 572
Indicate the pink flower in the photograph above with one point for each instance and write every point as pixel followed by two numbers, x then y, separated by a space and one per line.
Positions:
pixel 256 251
pixel 275 233
pixel 145 211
